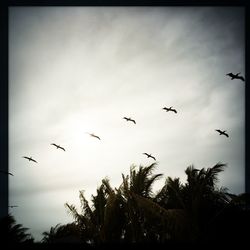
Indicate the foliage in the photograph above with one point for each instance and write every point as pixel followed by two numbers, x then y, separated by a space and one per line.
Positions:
pixel 13 233
pixel 62 233
pixel 133 213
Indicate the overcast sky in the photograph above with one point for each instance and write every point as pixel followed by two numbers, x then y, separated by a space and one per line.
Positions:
pixel 74 70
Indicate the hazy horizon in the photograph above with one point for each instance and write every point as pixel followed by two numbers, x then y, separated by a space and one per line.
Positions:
pixel 74 70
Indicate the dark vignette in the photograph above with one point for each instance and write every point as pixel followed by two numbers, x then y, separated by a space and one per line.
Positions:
pixel 4 68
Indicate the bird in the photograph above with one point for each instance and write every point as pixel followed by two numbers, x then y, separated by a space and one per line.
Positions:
pixel 149 156
pixel 12 206
pixel 233 76
pixel 29 158
pixel 170 109
pixel 93 135
pixel 4 172
pixel 57 146
pixel 129 119
pixel 222 132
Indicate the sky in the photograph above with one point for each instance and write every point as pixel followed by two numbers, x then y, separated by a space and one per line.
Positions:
pixel 80 70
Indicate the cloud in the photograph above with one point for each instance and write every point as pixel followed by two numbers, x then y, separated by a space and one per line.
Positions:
pixel 78 70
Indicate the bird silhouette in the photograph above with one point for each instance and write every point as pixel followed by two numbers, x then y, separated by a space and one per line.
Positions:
pixel 149 156
pixel 57 146
pixel 29 158
pixel 222 132
pixel 170 109
pixel 12 206
pixel 233 76
pixel 4 172
pixel 129 119
pixel 93 135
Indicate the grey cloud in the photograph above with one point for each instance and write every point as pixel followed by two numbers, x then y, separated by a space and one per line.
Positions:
pixel 78 69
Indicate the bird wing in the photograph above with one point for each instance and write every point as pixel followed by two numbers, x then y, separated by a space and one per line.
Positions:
pixel 153 157
pixel 133 121
pixel 95 136
pixel 145 154
pixel 53 144
pixel 241 78
pixel 9 173
pixel 26 157
pixel 174 110
pixel 4 172
pixel 62 148
pixel 230 74
pixel 218 130
pixel 33 160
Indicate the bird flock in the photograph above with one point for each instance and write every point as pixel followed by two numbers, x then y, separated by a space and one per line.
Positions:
pixel 129 119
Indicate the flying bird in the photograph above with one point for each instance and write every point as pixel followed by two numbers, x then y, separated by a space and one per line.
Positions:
pixel 233 76
pixel 222 132
pixel 93 135
pixel 149 156
pixel 4 172
pixel 170 109
pixel 57 146
pixel 129 119
pixel 12 206
pixel 29 158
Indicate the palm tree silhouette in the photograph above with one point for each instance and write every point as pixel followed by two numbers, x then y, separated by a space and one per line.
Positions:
pixel 13 233
pixel 134 213
pixel 100 222
pixel 68 233
pixel 113 216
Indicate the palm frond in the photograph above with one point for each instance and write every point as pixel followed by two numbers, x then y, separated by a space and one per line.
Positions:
pixel 175 220
pixel 107 186
pixel 71 209
pixel 211 175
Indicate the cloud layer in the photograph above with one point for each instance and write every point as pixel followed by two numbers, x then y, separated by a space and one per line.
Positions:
pixel 75 70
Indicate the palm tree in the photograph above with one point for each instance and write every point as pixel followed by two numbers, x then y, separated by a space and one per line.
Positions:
pixel 133 213
pixel 13 233
pixel 113 215
pixel 50 236
pixel 103 221
pixel 198 198
pixel 170 196
pixel 185 209
pixel 138 183
pixel 68 233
